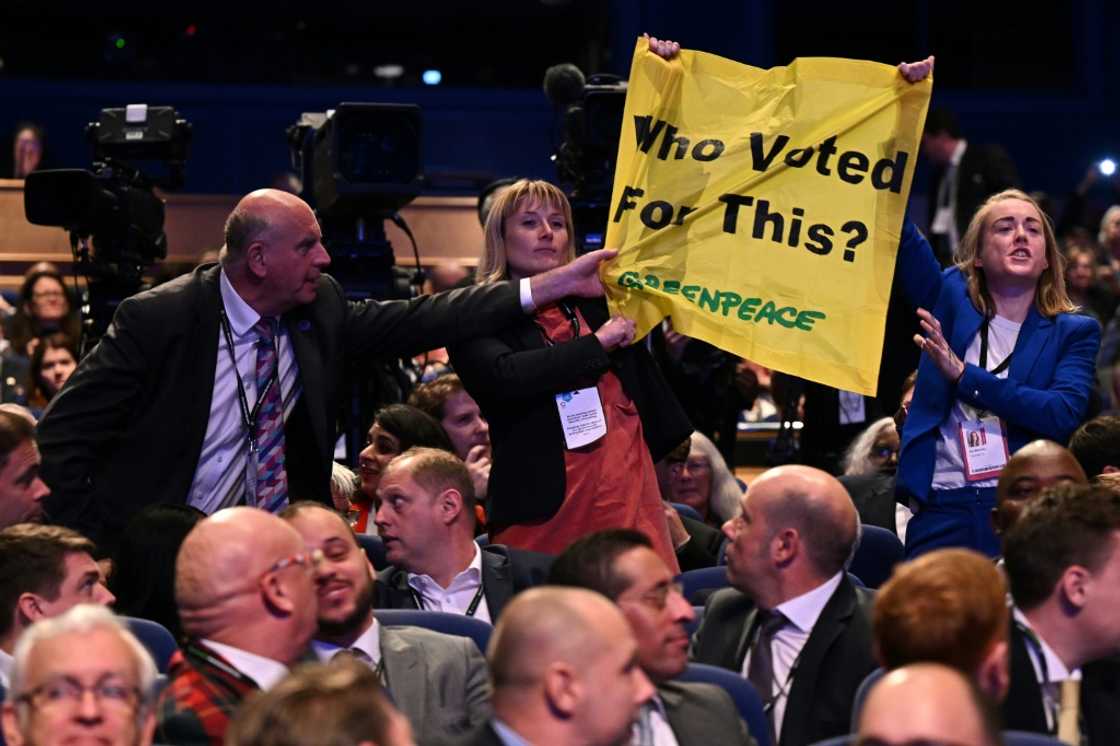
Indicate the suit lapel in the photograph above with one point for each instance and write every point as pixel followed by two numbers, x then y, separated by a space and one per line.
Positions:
pixel 744 641
pixel 407 675
pixel 497 582
pixel 311 375
pixel 1033 336
pixel 1022 708
pixel 671 697
pixel 830 625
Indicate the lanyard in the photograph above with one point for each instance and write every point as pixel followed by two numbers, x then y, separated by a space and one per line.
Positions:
pixel 984 352
pixel 573 319
pixel 248 417
pixel 472 607
pixel 1052 706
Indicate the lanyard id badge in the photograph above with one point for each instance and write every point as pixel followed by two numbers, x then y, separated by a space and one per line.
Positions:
pixel 581 416
pixel 983 448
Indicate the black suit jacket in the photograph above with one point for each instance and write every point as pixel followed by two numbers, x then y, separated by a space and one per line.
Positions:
pixel 983 171
pixel 127 429
pixel 702 547
pixel 1100 696
pixel 515 375
pixel 505 572
pixel 836 658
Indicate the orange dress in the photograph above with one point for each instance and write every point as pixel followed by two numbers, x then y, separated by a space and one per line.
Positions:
pixel 609 483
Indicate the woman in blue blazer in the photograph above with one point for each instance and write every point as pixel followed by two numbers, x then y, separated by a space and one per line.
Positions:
pixel 1005 361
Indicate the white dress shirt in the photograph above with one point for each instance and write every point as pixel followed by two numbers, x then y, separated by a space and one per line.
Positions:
pixel 6 663
pixel 219 479
pixel 369 642
pixel 659 724
pixel 802 613
pixel 507 735
pixel 458 595
pixel 1055 670
pixel 264 671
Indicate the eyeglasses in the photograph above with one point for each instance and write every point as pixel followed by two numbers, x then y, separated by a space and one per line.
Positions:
pixel 310 559
pixel 45 294
pixel 64 692
pixel 658 598
pixel 883 452
pixel 677 467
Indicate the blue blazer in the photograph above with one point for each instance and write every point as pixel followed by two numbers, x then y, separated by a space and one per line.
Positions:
pixel 1045 394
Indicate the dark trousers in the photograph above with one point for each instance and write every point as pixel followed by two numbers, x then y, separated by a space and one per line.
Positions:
pixel 954 518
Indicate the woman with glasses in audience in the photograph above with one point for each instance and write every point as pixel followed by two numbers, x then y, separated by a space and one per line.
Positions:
pixel 44 307
pixel 577 417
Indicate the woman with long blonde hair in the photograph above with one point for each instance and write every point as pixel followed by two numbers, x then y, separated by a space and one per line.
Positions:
pixel 1004 361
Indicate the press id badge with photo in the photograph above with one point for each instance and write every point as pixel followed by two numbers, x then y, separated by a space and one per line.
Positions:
pixel 581 416
pixel 983 447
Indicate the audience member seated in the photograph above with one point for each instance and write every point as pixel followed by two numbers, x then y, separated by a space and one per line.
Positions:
pixel 1096 445
pixel 949 607
pixel 344 486
pixel 44 571
pixel 395 429
pixel 445 400
pixel 1092 298
pixel 44 307
pixel 869 468
pixel 622 565
pixel 438 681
pixel 426 519
pixel 28 145
pixel 793 623
pixel 1033 468
pixel 58 661
pixel 52 362
pixel 704 483
pixel 696 543
pixel 340 703
pixel 927 703
pixel 21 489
pixel 549 486
pixel 246 590
pixel 1062 559
pixel 565 670
pixel 143 575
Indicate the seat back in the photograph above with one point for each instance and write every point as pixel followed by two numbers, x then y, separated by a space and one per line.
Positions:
pixel 374 549
pixel 688 511
pixel 704 578
pixel 878 552
pixel 861 695
pixel 438 621
pixel 744 696
pixel 158 640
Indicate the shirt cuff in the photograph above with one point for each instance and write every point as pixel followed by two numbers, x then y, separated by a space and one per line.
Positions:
pixel 527 304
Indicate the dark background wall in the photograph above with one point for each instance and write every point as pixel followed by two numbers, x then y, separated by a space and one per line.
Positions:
pixel 1040 81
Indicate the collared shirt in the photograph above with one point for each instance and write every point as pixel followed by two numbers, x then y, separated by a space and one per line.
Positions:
pixel 947 196
pixel 659 723
pixel 458 595
pixel 6 663
pixel 369 642
pixel 219 479
pixel 1049 670
pixel 507 735
pixel 802 613
pixel 264 671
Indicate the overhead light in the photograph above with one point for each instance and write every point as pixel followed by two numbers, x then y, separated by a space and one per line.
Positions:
pixel 388 72
pixel 432 77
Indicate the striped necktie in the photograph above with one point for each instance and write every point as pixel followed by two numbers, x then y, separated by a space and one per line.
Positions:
pixel 272 478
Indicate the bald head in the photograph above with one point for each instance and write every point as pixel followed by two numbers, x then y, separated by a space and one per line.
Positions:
pixel 928 702
pixel 1033 468
pixel 257 215
pixel 817 506
pixel 220 566
pixel 545 625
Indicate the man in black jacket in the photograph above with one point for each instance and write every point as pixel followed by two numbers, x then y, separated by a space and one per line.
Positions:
pixel 793 623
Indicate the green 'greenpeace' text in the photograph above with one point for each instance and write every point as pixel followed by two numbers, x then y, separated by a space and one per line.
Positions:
pixel 723 302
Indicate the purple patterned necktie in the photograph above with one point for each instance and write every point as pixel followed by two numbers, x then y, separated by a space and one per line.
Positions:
pixel 272 479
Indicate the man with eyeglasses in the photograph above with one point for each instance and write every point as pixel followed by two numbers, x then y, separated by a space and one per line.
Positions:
pixel 439 682
pixel 927 704
pixel 80 677
pixel 246 590
pixel 621 565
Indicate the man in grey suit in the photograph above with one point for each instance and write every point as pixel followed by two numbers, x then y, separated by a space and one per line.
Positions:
pixel 438 681
pixel 622 565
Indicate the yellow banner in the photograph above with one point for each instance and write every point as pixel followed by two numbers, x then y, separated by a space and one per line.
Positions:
pixel 761 209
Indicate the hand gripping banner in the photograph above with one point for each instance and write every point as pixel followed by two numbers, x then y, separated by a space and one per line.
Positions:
pixel 761 209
